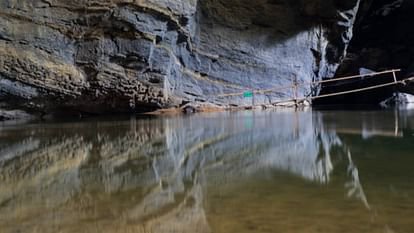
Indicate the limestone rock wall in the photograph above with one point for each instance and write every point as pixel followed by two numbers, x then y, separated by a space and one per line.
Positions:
pixel 132 56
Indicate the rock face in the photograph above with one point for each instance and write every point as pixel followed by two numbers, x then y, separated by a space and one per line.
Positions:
pixel 133 56
pixel 383 39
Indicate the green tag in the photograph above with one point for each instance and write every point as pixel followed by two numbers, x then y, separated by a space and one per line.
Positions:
pixel 248 94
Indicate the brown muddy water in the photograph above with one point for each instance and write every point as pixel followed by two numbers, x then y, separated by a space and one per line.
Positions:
pixel 307 171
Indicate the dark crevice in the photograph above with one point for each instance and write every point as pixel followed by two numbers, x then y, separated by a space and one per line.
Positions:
pixel 132 61
pixel 191 94
pixel 5 38
pixel 383 39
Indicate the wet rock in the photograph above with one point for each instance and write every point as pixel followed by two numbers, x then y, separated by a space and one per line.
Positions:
pixel 399 99
pixel 14 115
pixel 123 56
pixel 189 110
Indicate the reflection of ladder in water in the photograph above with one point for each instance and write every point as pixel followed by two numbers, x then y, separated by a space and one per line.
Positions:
pixel 382 132
pixel 354 186
pixel 296 99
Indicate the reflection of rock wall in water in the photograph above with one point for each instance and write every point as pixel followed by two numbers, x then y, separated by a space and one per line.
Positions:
pixel 148 175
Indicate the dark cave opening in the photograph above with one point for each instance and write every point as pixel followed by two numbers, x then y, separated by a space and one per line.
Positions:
pixel 383 40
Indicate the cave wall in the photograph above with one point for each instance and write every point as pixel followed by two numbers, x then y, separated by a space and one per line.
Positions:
pixel 132 56
pixel 383 40
pixel 383 36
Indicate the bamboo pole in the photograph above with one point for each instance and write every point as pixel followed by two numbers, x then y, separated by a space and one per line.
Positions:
pixel 354 90
pixel 346 92
pixel 276 89
pixel 295 85
pixel 394 76
pixel 295 90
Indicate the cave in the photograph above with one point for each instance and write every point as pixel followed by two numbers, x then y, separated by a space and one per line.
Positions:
pixel 206 116
pixel 383 40
pixel 131 57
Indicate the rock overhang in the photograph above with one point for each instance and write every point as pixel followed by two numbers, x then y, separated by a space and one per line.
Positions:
pixel 138 55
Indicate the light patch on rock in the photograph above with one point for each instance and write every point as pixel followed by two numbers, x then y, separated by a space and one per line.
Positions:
pixel 400 99
pixel 13 115
pixel 387 9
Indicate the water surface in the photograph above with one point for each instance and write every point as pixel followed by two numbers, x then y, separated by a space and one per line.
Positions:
pixel 281 171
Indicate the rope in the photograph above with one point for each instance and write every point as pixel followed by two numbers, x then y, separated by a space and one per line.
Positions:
pixel 346 92
pixel 276 89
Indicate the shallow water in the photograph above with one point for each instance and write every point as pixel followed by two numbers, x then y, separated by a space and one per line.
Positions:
pixel 286 171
